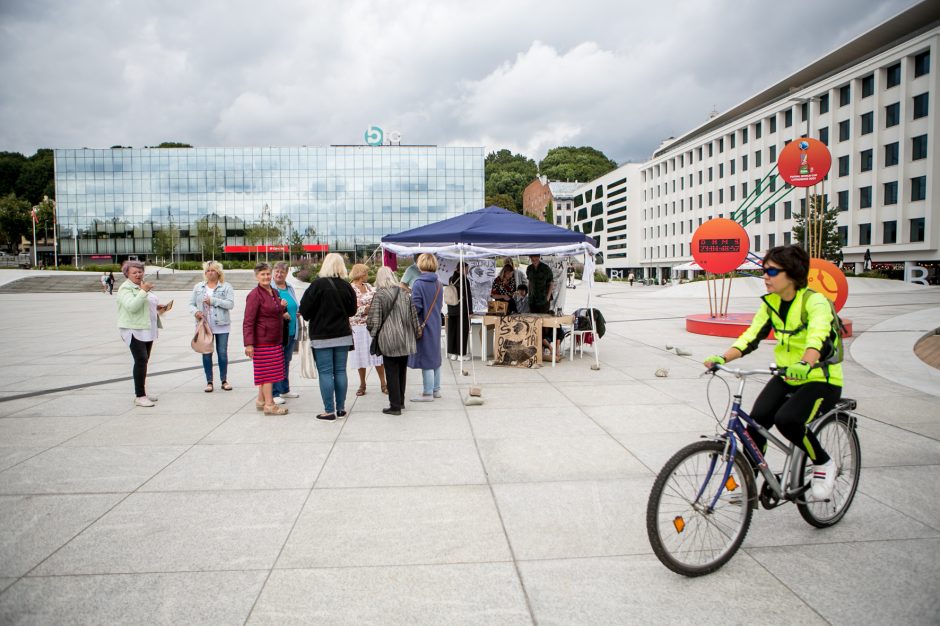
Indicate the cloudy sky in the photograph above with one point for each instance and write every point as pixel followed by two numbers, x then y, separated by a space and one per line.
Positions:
pixel 517 74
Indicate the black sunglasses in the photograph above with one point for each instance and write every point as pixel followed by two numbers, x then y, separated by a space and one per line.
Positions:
pixel 772 271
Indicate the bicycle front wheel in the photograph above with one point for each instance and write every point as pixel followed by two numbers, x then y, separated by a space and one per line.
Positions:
pixel 837 436
pixel 688 535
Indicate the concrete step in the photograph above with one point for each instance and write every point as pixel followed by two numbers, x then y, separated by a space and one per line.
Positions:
pixel 68 282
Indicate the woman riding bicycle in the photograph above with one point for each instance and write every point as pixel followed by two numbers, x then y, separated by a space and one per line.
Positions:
pixel 793 402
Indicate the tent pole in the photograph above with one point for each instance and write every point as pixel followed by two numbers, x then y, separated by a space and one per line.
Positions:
pixel 597 340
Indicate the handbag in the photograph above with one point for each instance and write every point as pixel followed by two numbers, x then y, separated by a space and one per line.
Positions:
pixel 374 347
pixel 202 339
pixel 420 332
pixel 308 368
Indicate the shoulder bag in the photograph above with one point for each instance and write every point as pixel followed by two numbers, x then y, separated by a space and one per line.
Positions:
pixel 202 339
pixel 308 368
pixel 420 331
pixel 374 346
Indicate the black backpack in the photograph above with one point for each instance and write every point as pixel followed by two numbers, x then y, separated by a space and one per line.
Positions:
pixel 582 321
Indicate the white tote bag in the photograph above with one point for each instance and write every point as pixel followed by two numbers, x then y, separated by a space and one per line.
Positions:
pixel 308 368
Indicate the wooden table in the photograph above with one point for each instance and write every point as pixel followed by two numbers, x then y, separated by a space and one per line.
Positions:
pixel 548 321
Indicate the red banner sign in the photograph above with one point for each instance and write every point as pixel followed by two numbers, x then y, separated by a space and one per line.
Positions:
pixel 827 279
pixel 720 245
pixel 804 162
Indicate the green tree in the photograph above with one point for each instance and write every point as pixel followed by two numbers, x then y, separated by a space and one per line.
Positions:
pixel 550 213
pixel 173 144
pixel 503 200
pixel 11 164
pixel 570 163
pixel 165 241
pixel 15 219
pixel 296 243
pixel 505 173
pixel 831 244
pixel 209 238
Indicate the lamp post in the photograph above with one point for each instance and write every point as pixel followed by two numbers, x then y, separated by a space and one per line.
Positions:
pixel 75 234
pixel 264 230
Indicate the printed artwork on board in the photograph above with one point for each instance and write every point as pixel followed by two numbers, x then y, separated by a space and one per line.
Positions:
pixel 518 338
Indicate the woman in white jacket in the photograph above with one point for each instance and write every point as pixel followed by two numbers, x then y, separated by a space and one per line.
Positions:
pixel 214 298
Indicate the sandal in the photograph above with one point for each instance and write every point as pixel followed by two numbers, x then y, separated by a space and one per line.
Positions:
pixel 361 391
pixel 259 404
pixel 273 409
pixel 385 389
pixel 208 388
pixel 226 386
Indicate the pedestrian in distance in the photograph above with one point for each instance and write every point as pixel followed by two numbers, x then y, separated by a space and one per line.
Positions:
pixel 458 332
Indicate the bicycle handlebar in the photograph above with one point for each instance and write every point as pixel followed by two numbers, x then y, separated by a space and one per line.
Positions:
pixel 738 373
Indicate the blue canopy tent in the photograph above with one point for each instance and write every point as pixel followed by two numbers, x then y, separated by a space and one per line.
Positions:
pixel 494 231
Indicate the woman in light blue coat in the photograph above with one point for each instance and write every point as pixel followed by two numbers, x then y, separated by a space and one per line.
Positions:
pixel 214 299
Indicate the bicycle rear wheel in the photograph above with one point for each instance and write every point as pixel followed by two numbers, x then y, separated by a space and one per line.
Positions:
pixel 687 536
pixel 837 436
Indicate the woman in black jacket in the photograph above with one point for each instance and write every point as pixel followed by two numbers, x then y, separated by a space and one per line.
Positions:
pixel 328 304
pixel 457 331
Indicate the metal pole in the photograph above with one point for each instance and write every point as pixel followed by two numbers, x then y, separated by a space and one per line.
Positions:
pixel 55 241
pixel 75 232
pixel 35 218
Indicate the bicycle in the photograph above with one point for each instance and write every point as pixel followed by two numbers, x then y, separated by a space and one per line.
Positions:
pixel 701 504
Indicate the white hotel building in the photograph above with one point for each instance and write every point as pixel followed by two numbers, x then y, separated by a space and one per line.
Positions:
pixel 872 101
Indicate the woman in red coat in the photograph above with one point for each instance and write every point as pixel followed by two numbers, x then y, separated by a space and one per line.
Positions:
pixel 265 312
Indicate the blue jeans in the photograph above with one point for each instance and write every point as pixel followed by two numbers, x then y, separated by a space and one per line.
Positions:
pixel 331 366
pixel 431 380
pixel 221 348
pixel 283 386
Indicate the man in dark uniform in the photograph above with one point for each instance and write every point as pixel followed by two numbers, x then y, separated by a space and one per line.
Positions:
pixel 541 282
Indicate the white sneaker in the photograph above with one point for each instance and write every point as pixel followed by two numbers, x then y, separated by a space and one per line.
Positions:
pixel 437 394
pixel 290 394
pixel 152 398
pixel 423 398
pixel 280 400
pixel 144 401
pixel 824 480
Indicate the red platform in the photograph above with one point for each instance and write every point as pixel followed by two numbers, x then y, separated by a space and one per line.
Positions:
pixel 731 325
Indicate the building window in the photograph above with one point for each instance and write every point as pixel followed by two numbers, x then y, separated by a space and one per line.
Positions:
pixel 843 202
pixel 824 135
pixel 721 170
pixel 864 197
pixel 744 135
pixel 710 198
pixel 889 231
pixel 921 66
pixel 891 192
pixel 824 103
pixel 865 159
pixel 893 76
pixel 757 247
pixel 918 188
pixel 771 240
pixel 786 238
pixel 773 124
pixel 845 95
pixel 731 193
pixel 744 163
pixel 773 154
pixel 920 105
pixel 710 174
pixel 919 147
pixel 721 145
pixel 868 122
pixel 843 236
pixel 733 138
pixel 772 213
pixel 845 130
pixel 757 130
pixel 864 234
pixel 788 118
pixel 844 165
pixel 721 196
pixel 891 154
pixel 804 113
pixel 892 115
pixel 868 85
pixel 731 171
pixel 757 158
pixel 917 229
pixel 787 210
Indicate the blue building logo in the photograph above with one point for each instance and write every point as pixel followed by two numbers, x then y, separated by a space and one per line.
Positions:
pixel 374 136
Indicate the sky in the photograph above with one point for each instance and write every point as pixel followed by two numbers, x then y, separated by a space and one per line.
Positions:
pixel 516 74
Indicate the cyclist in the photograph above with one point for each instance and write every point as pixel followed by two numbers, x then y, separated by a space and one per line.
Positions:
pixel 791 403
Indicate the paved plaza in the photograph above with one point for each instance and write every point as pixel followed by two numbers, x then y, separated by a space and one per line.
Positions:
pixel 529 509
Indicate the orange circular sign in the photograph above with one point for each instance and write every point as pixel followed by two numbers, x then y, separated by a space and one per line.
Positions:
pixel 720 245
pixel 804 162
pixel 827 279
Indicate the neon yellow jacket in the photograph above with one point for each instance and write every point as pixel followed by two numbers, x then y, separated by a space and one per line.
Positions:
pixel 791 345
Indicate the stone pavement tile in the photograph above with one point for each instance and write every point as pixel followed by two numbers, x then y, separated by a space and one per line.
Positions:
pixel 85 470
pixel 867 520
pixel 189 597
pixel 912 490
pixel 11 455
pixel 256 427
pixel 644 369
pixel 152 430
pixel 640 590
pixel 396 526
pixel 575 519
pixel 529 396
pixel 872 582
pixel 33 527
pixel 644 418
pixel 900 410
pixel 4 583
pixel 557 458
pixel 696 391
pixel 45 431
pixel 586 394
pixel 472 593
pixel 580 370
pixel 654 449
pixel 884 445
pixel 242 466
pixel 419 425
pixel 169 532
pixel 546 422
pixel 74 404
pixel 402 463
pixel 191 404
pixel 928 429
pixel 501 375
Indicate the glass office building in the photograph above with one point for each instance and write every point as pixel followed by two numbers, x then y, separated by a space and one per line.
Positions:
pixel 346 197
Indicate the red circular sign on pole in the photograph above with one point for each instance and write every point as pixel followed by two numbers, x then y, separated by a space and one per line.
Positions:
pixel 720 245
pixel 804 162
pixel 827 279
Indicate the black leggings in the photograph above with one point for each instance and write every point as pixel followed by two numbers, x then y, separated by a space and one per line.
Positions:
pixel 396 370
pixel 791 415
pixel 140 350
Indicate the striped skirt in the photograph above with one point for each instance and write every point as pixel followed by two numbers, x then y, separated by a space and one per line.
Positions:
pixel 269 364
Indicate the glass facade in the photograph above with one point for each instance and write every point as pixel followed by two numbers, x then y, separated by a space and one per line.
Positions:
pixel 346 197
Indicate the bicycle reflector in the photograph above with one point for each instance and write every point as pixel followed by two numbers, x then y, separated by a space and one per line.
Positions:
pixel 679 523
pixel 730 484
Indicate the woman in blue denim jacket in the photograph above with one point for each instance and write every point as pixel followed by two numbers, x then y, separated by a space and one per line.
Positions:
pixel 217 298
